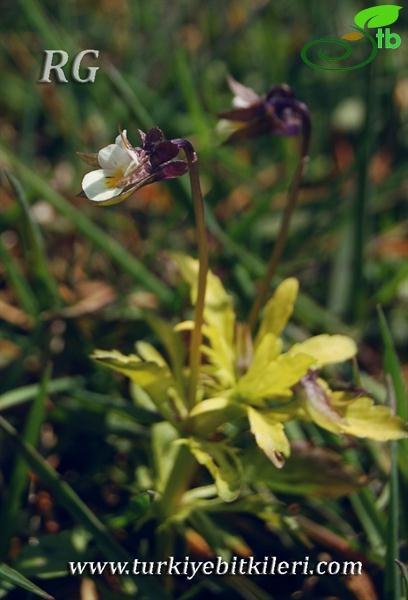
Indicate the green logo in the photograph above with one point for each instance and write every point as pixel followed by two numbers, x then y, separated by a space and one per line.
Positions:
pixel 376 17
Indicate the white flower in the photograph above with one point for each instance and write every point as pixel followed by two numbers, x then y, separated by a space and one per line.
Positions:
pixel 117 160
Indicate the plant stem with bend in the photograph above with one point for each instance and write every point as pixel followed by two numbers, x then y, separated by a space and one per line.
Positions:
pixel 198 202
pixel 277 252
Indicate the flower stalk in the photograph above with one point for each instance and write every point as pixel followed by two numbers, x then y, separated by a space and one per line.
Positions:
pixel 198 202
pixel 280 243
pixel 277 113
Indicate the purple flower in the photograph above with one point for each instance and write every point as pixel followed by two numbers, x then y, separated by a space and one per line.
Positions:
pixel 123 168
pixel 278 112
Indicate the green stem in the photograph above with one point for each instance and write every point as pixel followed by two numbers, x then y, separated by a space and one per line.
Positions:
pixel 359 209
pixel 280 243
pixel 196 336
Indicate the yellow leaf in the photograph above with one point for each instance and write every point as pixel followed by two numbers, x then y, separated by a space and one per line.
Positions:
pixel 275 379
pixel 270 436
pixel 219 316
pixel 150 354
pixel 353 36
pixel 268 350
pixel 221 355
pixel 278 309
pixel 209 414
pixel 363 418
pixel 326 349
pixel 222 463
pixel 148 375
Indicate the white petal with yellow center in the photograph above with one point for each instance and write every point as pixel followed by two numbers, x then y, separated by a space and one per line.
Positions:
pixel 113 156
pixel 99 187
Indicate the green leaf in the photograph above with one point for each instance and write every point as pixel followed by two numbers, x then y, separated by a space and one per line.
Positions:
pixel 270 436
pixel 163 452
pixel 16 579
pixel 222 463
pixel 309 471
pixel 377 16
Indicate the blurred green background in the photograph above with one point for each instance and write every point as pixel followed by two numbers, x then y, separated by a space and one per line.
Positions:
pixel 74 276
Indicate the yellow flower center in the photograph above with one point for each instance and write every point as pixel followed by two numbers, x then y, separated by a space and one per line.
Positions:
pixel 115 178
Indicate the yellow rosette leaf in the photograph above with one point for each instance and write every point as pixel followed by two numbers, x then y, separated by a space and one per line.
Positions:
pixel 326 349
pixel 274 379
pixel 363 418
pixel 278 309
pixel 270 436
pixel 221 462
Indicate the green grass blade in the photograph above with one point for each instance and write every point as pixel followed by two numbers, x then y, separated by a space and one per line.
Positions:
pixel 392 580
pixel 189 90
pixel 12 576
pixel 357 290
pixel 28 392
pixel 65 495
pixel 46 285
pixel 18 283
pixel 392 367
pixel 68 499
pixel 404 573
pixel 19 480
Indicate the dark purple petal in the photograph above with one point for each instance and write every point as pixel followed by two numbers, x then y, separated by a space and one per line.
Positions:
pixel 255 111
pixel 249 131
pixel 280 91
pixel 163 152
pixel 153 137
pixel 289 129
pixel 278 113
pixel 280 105
pixel 176 168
